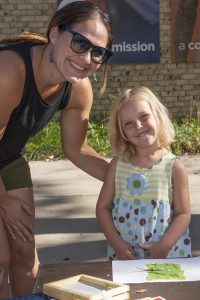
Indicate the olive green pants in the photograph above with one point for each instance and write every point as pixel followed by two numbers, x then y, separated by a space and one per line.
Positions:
pixel 16 175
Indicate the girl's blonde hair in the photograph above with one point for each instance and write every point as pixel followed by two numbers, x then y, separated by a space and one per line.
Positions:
pixel 121 146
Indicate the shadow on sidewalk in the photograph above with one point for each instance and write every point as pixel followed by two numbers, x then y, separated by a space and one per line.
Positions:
pixel 80 239
pixel 73 252
pixel 66 226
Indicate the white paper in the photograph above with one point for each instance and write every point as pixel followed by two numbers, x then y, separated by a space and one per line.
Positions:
pixel 127 271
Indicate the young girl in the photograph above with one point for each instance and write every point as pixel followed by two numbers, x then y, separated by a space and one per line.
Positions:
pixel 144 207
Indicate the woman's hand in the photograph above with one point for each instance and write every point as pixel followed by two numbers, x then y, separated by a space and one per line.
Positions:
pixel 15 215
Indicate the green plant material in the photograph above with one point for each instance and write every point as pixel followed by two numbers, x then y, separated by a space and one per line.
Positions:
pixel 165 271
pixel 98 138
pixel 47 145
pixel 187 139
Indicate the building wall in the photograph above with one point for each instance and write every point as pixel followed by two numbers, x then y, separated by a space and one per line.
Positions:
pixel 25 15
pixel 178 85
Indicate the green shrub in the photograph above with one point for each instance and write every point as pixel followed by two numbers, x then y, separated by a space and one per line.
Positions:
pixel 98 138
pixel 187 140
pixel 47 145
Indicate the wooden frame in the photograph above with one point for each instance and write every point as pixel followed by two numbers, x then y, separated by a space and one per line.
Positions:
pixel 84 287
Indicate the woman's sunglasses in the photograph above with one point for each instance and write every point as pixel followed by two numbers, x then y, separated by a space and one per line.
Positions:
pixel 81 44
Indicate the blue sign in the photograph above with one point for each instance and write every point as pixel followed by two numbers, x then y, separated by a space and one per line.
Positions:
pixel 136 31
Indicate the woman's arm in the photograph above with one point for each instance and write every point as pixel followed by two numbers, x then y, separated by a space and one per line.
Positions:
pixel 74 125
pixel 12 76
pixel 104 216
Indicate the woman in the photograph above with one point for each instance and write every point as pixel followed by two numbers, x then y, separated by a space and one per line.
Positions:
pixel 40 76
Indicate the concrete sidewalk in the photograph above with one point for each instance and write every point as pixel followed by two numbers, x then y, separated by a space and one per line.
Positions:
pixel 65 198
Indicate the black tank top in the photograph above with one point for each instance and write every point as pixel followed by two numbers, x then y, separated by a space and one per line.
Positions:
pixel 32 114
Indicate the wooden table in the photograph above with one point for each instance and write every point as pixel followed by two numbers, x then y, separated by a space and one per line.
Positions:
pixel 170 291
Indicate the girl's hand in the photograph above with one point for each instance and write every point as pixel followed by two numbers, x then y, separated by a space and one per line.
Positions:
pixel 14 215
pixel 155 250
pixel 124 251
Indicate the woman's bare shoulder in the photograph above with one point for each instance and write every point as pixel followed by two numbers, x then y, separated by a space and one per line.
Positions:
pixel 12 76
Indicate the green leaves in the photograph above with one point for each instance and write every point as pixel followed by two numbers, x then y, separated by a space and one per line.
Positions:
pixel 165 271
pixel 187 139
pixel 98 138
pixel 47 145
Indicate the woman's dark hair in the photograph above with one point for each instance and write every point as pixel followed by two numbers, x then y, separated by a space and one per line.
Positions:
pixel 79 11
pixel 70 14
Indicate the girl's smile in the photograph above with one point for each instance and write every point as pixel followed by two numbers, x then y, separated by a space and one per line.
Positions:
pixel 138 123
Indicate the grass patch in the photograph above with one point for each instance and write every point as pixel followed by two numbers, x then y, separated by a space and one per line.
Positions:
pixel 47 146
pixel 187 137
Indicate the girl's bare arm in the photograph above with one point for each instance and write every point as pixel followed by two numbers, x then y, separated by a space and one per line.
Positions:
pixel 104 205
pixel 181 202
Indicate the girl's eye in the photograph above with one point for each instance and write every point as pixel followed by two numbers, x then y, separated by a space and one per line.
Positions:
pixel 128 124
pixel 144 117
